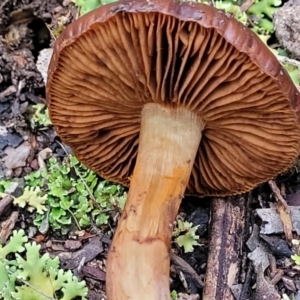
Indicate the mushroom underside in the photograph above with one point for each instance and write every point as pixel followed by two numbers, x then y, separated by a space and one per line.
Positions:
pixel 142 58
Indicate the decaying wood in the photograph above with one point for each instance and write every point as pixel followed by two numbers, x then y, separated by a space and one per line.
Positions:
pixel 227 227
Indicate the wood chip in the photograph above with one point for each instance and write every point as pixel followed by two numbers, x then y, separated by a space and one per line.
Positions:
pixel 8 226
pixel 5 203
pixel 283 210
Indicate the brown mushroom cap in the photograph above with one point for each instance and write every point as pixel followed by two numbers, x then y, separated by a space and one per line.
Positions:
pixel 110 62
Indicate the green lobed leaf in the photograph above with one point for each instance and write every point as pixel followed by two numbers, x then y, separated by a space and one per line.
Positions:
pixel 296 259
pixel 102 219
pixel 31 197
pixel 15 244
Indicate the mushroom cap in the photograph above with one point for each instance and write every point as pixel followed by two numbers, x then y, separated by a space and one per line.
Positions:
pixel 112 61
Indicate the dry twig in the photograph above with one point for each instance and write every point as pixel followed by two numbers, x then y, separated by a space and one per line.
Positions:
pixel 283 210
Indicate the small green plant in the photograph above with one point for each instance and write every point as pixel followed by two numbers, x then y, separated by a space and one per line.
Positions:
pixel 174 295
pixel 32 198
pixel 40 116
pixel 89 5
pixel 71 192
pixel 26 275
pixel 233 8
pixel 4 184
pixel 262 12
pixel 296 259
pixel 185 235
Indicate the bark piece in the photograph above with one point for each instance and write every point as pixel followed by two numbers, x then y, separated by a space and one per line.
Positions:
pixel 227 226
pixel 5 202
pixel 7 227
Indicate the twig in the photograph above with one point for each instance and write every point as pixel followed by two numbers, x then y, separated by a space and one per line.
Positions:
pixel 77 224
pixel 3 4
pixel 184 267
pixel 277 194
pixel 247 282
pixel 289 61
pixel 51 33
pixel 246 5
pixel 227 226
pixel 81 264
pixel 283 210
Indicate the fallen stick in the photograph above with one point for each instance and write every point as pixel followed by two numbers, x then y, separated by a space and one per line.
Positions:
pixel 227 226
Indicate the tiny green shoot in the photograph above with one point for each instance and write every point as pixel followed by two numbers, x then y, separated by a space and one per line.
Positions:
pixel 40 116
pixel 185 235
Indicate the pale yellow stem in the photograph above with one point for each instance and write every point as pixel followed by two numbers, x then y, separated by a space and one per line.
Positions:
pixel 138 262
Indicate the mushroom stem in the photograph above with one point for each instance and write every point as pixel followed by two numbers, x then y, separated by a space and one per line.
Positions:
pixel 138 262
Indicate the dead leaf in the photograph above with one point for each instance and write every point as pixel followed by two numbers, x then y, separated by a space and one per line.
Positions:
pixel 289 283
pixel 10 90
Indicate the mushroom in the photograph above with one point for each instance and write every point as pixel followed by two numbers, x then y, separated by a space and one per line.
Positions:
pixel 169 98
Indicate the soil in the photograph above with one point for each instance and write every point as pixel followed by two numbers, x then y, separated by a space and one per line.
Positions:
pixel 24 31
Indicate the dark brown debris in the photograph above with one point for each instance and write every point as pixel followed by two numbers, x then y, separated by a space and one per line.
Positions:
pixel 71 260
